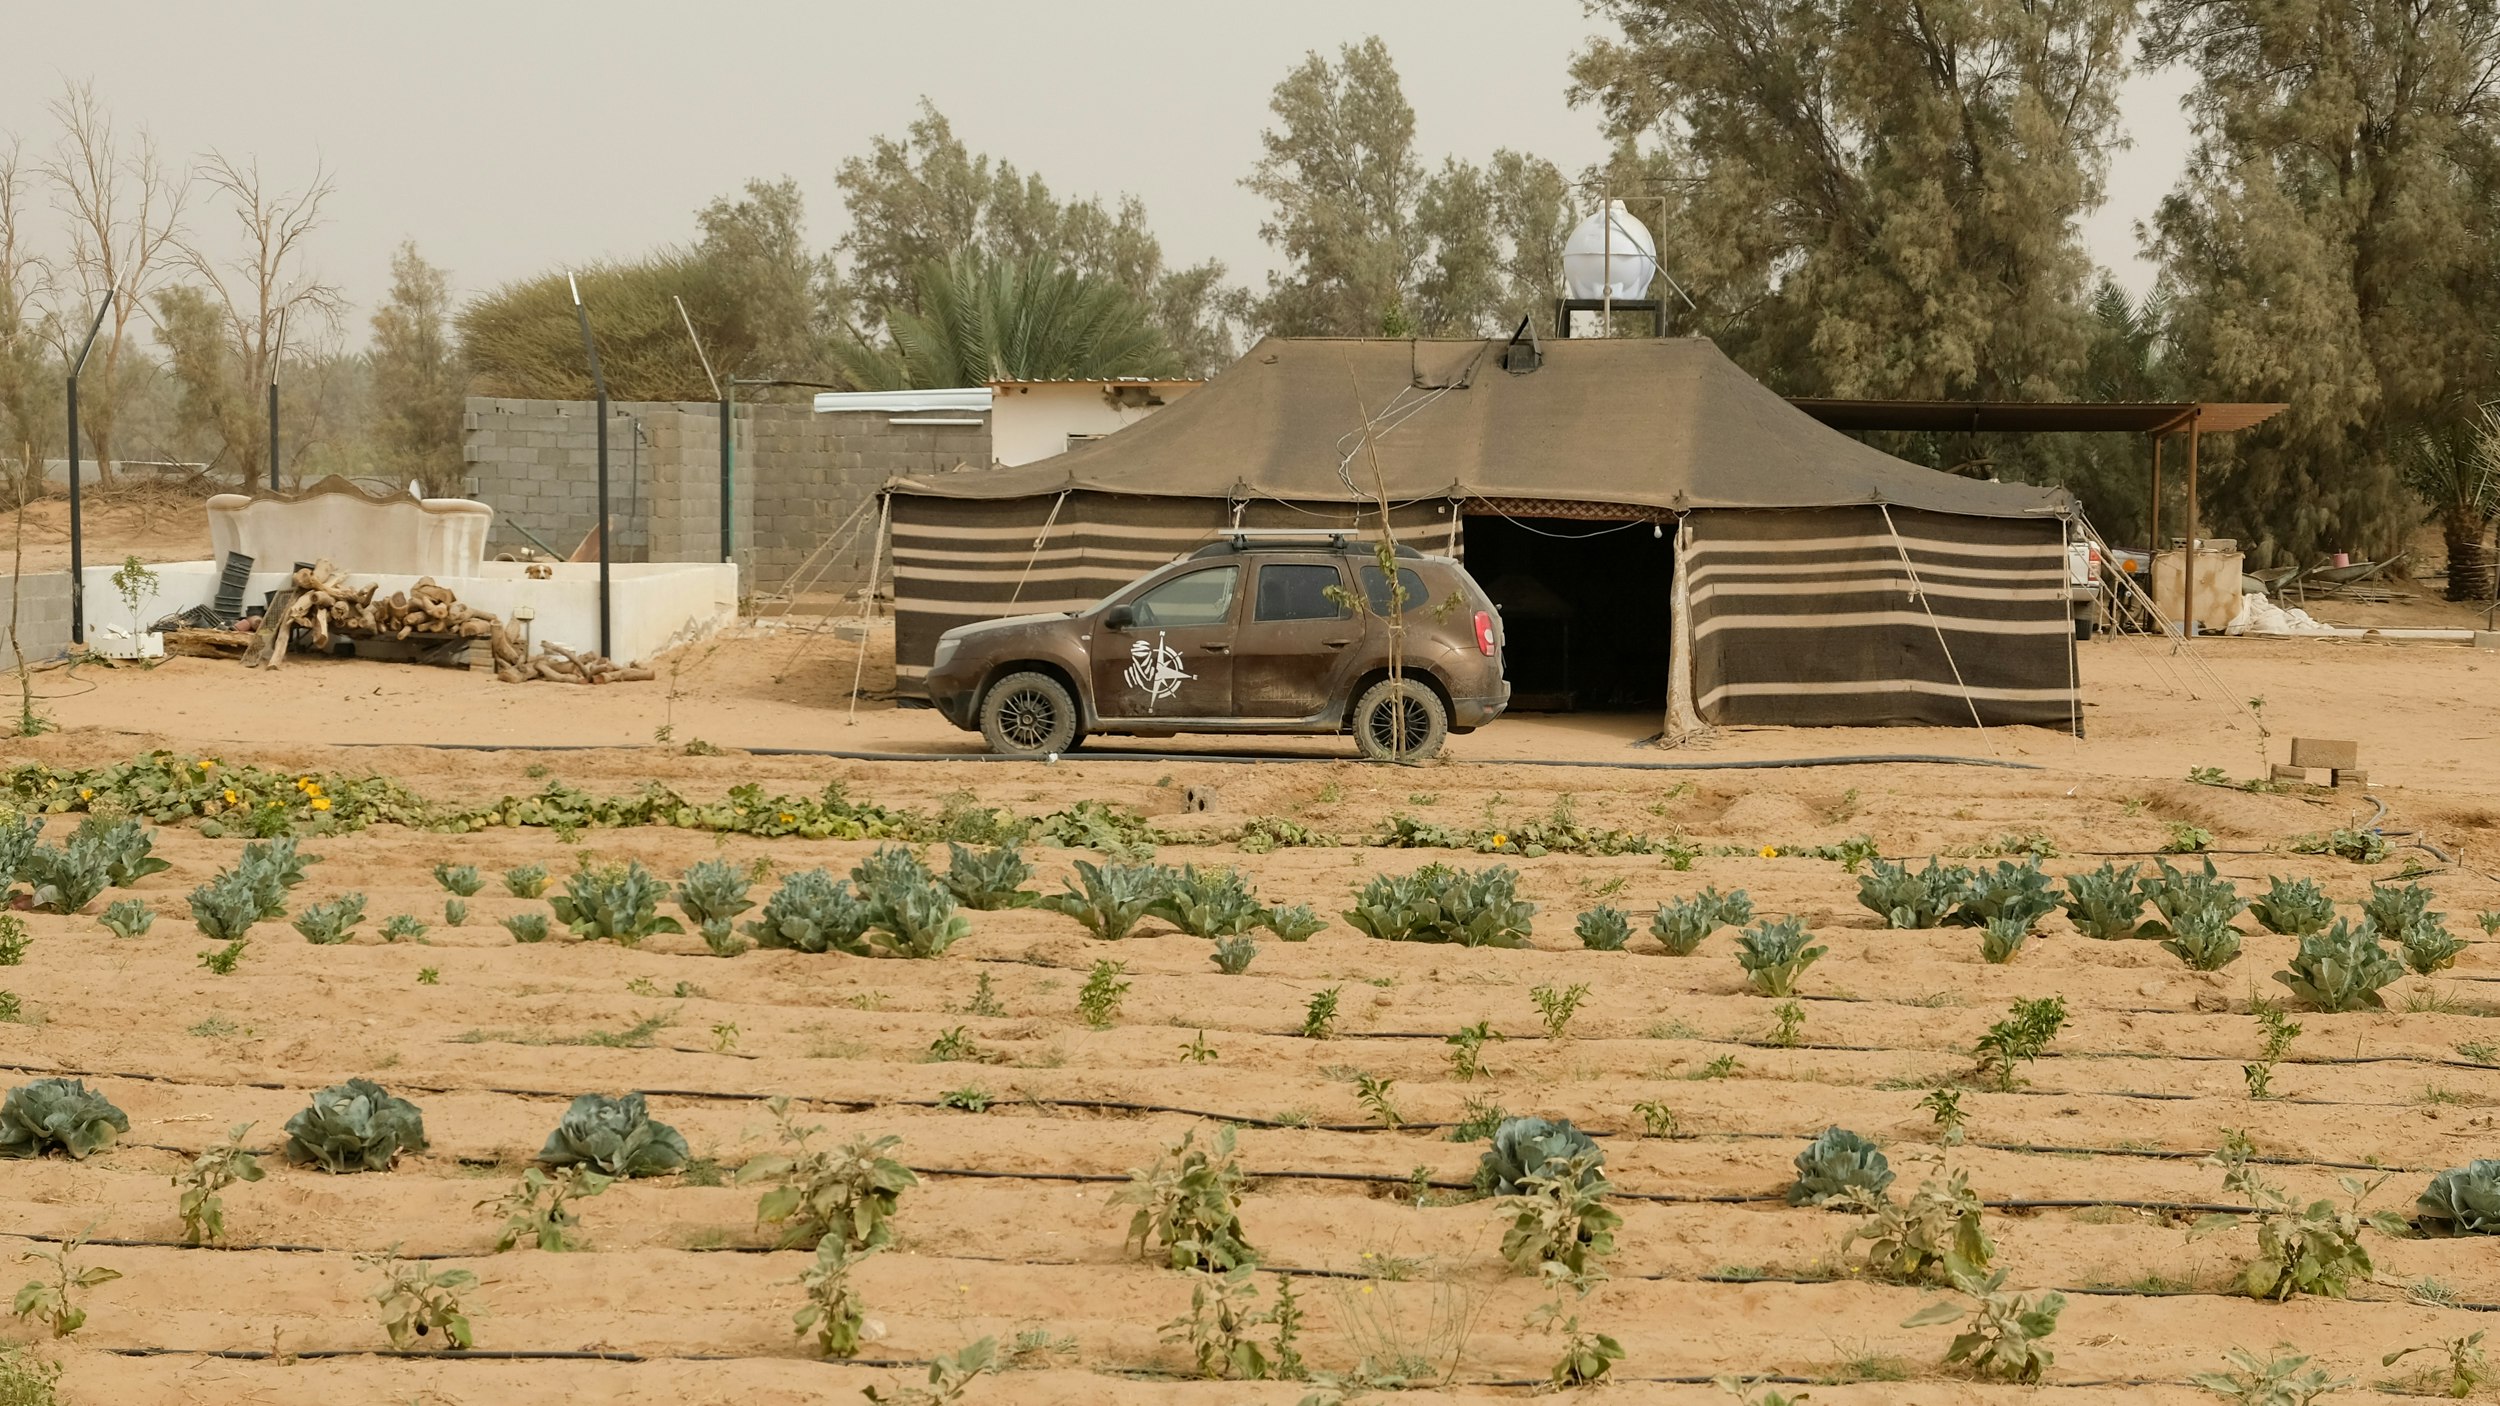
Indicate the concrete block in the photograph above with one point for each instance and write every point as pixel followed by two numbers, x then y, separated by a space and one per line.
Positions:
pixel 2345 776
pixel 2326 753
pixel 2487 639
pixel 2299 774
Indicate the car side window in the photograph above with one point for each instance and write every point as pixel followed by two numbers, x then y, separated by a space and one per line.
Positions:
pixel 1297 591
pixel 1376 590
pixel 1199 598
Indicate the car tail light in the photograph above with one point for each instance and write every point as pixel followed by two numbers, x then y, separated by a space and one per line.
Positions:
pixel 1484 633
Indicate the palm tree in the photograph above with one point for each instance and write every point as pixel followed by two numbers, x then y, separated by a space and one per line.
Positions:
pixel 984 319
pixel 2456 470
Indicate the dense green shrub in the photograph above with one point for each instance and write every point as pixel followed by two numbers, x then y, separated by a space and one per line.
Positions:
pixel 2341 969
pixel 2293 907
pixel 326 924
pixel 1906 900
pixel 1775 954
pixel 812 911
pixel 2105 902
pixel 614 901
pixel 1440 904
pixel 986 880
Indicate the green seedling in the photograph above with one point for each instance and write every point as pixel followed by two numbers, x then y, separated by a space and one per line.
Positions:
pixel 1556 1007
pixel 53 1300
pixel 538 1209
pixel 1467 1050
pixel 952 1045
pixel 1657 1120
pixel 127 917
pixel 1319 1017
pixel 1941 1225
pixel 221 961
pixel 1944 1105
pixel 833 1311
pixel 2005 1331
pixel 850 1195
pixel 202 1209
pixel 1098 1001
pixel 1373 1094
pixel 1198 1051
pixel 525 881
pixel 402 927
pixel 2468 1366
pixel 2019 1039
pixel 1233 955
pixel 2286 1379
pixel 1774 954
pixel 416 1302
pixel 1604 929
pixel 462 880
pixel 1188 1207
pixel 526 927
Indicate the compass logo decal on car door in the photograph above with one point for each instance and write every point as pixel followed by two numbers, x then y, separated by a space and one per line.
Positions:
pixel 1156 668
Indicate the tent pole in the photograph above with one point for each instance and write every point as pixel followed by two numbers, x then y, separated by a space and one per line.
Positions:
pixel 2188 624
pixel 2152 514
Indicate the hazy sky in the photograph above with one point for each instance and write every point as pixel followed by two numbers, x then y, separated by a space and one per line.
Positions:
pixel 509 137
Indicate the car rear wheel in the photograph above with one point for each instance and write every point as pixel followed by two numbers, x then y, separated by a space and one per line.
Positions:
pixel 1399 720
pixel 1028 715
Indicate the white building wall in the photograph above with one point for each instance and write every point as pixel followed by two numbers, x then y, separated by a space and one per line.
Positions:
pixel 1032 420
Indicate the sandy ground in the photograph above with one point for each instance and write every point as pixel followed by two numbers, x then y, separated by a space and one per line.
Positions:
pixel 2144 1080
pixel 153 522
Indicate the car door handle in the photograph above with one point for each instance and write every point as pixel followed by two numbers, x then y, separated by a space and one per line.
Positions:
pixel 1336 644
pixel 1218 648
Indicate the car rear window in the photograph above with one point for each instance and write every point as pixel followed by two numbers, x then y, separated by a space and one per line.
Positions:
pixel 1376 589
pixel 1293 591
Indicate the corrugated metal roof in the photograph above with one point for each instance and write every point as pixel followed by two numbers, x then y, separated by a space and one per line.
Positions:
pixel 905 402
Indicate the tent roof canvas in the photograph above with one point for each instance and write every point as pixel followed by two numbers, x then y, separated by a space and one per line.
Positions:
pixel 1651 423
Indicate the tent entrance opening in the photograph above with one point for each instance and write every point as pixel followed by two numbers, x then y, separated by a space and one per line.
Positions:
pixel 1587 609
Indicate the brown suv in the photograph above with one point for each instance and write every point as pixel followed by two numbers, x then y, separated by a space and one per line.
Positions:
pixel 1261 632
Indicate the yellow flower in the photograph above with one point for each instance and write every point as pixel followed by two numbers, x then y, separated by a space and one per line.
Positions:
pixel 206 765
pixel 321 803
pixel 1770 851
pixel 787 817
pixel 230 797
pixel 86 793
pixel 1500 839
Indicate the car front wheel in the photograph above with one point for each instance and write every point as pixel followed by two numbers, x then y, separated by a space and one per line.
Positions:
pixel 1028 715
pixel 1399 720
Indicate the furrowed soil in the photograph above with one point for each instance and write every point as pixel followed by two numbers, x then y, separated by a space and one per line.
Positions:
pixel 2092 1163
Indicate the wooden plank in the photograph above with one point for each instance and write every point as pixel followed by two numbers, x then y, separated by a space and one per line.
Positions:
pixel 271 635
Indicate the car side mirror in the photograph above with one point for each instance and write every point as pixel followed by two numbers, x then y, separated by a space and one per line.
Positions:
pixel 1118 617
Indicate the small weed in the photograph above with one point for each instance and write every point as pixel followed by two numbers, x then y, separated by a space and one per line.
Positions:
pixel 203 1210
pixel 1098 1001
pixel 1944 1104
pixel 538 1208
pixel 2468 1366
pixel 848 1195
pixel 2019 1039
pixel 1467 1050
pixel 53 1301
pixel 2286 1379
pixel 953 1045
pixel 1723 1067
pixel 1319 1017
pixel 1373 1094
pixel 2187 839
pixel 13 940
pixel 1198 1051
pixel 1189 1207
pixel 416 1301
pixel 429 976
pixel 1792 1024
pixel 1477 1120
pixel 1657 1120
pixel 1556 1008
pixel 223 960
pixel 984 998
pixel 833 1311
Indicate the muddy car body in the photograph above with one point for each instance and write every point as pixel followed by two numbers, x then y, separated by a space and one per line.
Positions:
pixel 1250 635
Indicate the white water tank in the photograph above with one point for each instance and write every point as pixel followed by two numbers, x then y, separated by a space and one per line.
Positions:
pixel 1618 263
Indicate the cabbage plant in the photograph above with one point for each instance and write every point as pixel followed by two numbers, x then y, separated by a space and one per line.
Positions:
pixel 2105 902
pixel 1208 903
pixel 812 912
pixel 1604 929
pixel 2461 1201
pixel 1108 898
pixel 226 907
pixel 358 1126
pixel 2016 893
pixel 616 1137
pixel 2293 907
pixel 58 1115
pixel 1835 1161
pixel 1526 1147
pixel 1440 904
pixel 620 902
pixel 988 879
pixel 714 893
pixel 2341 969
pixel 1912 900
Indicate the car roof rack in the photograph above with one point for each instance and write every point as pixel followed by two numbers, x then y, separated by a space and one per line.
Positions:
pixel 1237 539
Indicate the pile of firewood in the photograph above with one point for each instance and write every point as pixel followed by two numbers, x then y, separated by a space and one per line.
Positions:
pixel 324 602
pixel 556 663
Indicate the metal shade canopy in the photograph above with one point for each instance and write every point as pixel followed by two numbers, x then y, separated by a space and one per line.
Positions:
pixel 2035 417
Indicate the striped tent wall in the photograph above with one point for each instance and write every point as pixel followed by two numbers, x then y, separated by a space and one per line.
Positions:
pixel 1809 618
pixel 958 561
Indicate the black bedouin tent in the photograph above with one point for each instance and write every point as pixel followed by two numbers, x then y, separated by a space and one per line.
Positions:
pixel 1658 527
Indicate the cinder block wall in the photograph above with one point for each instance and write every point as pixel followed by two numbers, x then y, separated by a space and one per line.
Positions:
pixel 42 602
pixel 801 477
